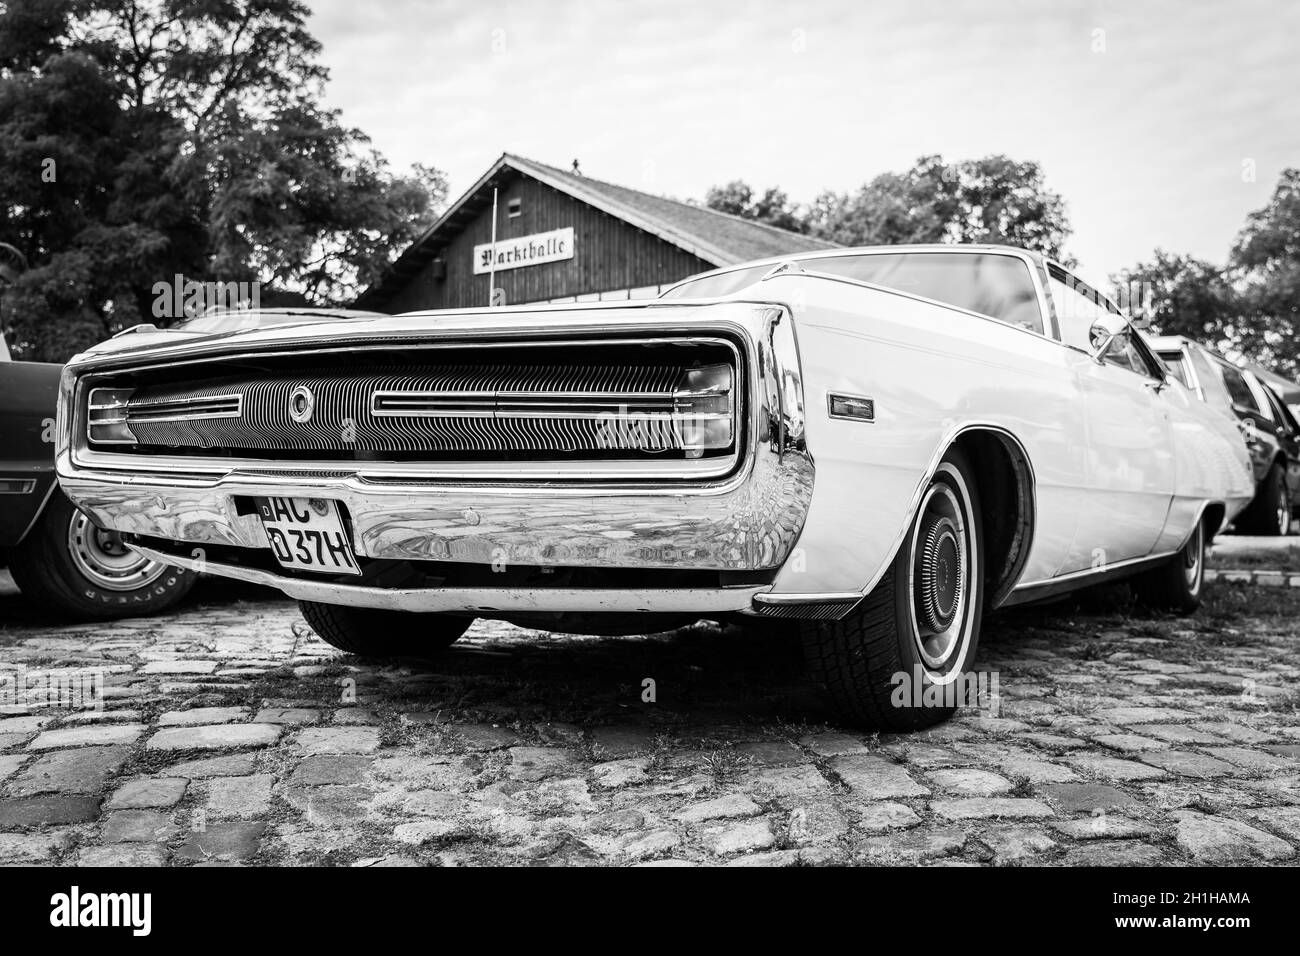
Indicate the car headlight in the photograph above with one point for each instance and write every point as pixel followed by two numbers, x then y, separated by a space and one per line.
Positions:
pixel 703 410
pixel 106 416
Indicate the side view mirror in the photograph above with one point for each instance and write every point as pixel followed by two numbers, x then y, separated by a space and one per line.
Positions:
pixel 1106 332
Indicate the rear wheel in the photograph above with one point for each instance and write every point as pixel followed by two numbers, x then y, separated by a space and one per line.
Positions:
pixel 1176 585
pixel 83 572
pixel 372 633
pixel 896 661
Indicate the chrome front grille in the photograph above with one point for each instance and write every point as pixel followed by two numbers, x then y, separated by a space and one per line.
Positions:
pixel 504 410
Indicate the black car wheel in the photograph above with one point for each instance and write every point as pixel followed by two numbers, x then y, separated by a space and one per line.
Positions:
pixel 1176 585
pixel 1270 512
pixel 896 661
pixel 80 571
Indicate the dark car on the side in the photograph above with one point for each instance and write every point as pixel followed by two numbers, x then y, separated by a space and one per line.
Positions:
pixel 1270 431
pixel 55 553
pixel 56 556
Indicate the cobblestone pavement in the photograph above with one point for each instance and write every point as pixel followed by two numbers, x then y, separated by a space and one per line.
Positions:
pixel 231 734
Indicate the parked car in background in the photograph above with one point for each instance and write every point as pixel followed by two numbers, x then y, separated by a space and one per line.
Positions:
pixel 57 556
pixel 881 444
pixel 1270 431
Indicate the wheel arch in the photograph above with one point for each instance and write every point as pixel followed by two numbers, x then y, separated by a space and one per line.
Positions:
pixel 1004 475
pixel 1213 515
pixel 1008 504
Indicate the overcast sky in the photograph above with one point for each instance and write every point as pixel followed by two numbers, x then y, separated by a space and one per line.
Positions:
pixel 1146 115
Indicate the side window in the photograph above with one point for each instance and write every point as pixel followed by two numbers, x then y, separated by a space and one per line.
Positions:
pixel 1174 364
pixel 1260 393
pixel 1209 380
pixel 1075 313
pixel 1141 358
pixel 1238 389
pixel 1284 414
pixel 1078 308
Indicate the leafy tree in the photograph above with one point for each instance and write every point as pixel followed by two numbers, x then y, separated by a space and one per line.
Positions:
pixel 773 207
pixel 1001 200
pixel 919 205
pixel 994 199
pixel 149 138
pixel 1265 261
pixel 1248 307
pixel 1183 295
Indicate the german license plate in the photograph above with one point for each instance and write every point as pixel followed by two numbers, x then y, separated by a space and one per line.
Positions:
pixel 308 534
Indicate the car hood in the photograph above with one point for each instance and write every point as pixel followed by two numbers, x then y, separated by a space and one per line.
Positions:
pixel 151 346
pixel 147 339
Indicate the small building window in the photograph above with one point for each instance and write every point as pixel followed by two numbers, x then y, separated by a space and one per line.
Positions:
pixel 514 208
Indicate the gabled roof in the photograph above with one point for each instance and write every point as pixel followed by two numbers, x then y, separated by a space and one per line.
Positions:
pixel 718 238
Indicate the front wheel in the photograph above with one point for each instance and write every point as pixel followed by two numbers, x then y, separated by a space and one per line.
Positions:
pixel 1176 585
pixel 82 572
pixel 896 661
pixel 367 632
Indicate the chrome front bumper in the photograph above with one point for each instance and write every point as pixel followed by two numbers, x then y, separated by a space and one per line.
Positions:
pixel 748 521
pixel 485 601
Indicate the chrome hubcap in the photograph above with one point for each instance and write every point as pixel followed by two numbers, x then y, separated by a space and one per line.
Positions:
pixel 941 575
pixel 940 568
pixel 103 559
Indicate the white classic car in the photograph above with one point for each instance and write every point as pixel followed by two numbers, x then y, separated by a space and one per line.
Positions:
pixel 883 444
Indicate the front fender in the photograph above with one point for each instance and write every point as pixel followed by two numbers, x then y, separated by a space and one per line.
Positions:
pixel 933 374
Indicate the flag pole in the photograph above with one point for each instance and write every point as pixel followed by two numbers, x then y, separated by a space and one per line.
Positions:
pixel 492 266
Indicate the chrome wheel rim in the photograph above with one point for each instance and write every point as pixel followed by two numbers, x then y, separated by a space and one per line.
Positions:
pixel 102 558
pixel 941 567
pixel 1193 556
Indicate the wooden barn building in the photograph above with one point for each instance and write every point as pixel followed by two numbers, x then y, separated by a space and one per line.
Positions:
pixel 563 237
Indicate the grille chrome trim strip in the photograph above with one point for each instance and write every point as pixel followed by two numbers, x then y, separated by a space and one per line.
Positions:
pixel 200 407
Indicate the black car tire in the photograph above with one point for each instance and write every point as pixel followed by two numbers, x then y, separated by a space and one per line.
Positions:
pixel 77 571
pixel 1270 512
pixel 1175 585
pixel 922 620
pixel 367 632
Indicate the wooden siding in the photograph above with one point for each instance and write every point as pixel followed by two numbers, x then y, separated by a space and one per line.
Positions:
pixel 608 254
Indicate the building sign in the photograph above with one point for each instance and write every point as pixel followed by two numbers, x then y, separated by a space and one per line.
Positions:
pixel 531 250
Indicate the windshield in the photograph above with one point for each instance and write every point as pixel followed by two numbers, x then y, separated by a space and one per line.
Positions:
pixel 992 284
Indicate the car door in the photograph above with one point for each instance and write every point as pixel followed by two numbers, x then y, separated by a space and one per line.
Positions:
pixel 28 395
pixel 1285 428
pixel 1129 474
pixel 1256 427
